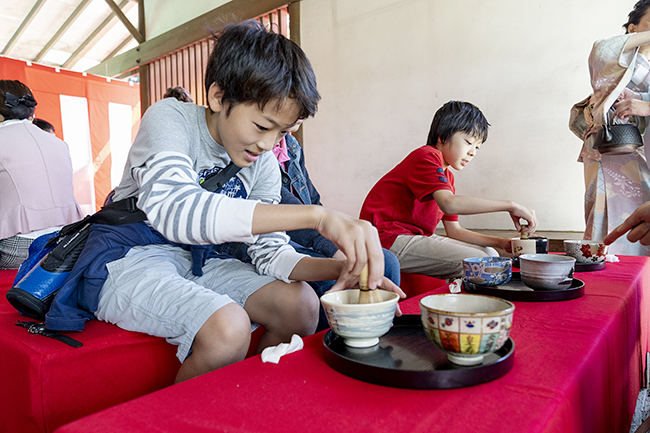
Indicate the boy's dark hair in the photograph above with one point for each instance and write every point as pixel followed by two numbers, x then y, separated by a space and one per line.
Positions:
pixel 179 93
pixel 457 116
pixel 634 17
pixel 252 64
pixel 44 125
pixel 16 100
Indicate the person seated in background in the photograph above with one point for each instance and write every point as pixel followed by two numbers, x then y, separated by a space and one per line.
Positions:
pixel 36 193
pixel 179 93
pixel 44 125
pixel 407 203
pixel 637 227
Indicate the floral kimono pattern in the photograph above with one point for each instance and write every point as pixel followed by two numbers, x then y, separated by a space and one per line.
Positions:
pixel 615 184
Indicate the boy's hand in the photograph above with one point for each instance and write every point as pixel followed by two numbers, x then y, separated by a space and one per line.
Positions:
pixel 637 224
pixel 520 211
pixel 358 241
pixel 385 284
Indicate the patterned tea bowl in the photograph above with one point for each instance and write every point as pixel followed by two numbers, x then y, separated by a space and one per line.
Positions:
pixel 360 325
pixel 488 271
pixel 466 327
pixel 586 251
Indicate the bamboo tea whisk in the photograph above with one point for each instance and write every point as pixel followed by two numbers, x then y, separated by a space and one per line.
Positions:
pixel 367 295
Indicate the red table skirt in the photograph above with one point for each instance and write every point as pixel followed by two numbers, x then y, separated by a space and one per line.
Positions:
pixel 578 368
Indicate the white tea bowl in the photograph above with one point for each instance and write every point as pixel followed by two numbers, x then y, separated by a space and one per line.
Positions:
pixel 360 325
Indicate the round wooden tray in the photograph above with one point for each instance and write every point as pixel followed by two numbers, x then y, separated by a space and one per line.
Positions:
pixel 405 358
pixel 516 290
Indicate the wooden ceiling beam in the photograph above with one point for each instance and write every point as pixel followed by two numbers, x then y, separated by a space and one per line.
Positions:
pixel 21 29
pixel 183 35
pixel 134 32
pixel 97 34
pixel 66 25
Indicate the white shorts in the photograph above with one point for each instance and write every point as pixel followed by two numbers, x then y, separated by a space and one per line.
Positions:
pixel 152 290
pixel 436 256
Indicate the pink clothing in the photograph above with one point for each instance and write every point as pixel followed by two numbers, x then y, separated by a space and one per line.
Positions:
pixel 281 153
pixel 402 203
pixel 35 180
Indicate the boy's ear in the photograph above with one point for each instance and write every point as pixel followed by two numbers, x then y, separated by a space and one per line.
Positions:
pixel 215 98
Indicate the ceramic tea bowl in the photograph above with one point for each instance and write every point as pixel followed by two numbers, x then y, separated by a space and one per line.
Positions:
pixel 487 271
pixel 547 271
pixel 360 325
pixel 586 251
pixel 466 327
pixel 523 246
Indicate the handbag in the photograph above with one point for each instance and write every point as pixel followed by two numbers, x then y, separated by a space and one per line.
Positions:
pixel 46 269
pixel 618 139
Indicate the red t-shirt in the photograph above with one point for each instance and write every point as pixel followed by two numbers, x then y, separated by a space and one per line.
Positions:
pixel 402 203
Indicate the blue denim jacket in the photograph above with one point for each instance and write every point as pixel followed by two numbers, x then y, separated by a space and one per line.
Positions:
pixel 296 174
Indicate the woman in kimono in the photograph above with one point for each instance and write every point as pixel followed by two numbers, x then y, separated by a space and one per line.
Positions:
pixel 620 76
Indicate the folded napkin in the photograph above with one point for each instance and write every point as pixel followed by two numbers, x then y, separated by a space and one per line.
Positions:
pixel 455 285
pixel 274 353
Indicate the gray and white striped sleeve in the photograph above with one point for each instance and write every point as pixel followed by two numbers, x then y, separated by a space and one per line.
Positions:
pixel 182 211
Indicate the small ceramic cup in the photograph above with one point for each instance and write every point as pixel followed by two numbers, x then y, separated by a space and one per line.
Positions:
pixel 523 246
pixel 547 271
pixel 541 244
pixel 586 251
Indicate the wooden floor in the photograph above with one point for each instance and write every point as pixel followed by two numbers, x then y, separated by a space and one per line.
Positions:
pixel 555 238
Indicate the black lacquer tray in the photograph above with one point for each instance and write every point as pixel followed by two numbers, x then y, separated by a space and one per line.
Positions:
pixel 516 290
pixel 405 358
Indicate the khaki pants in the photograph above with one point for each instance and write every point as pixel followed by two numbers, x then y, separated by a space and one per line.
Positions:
pixel 436 256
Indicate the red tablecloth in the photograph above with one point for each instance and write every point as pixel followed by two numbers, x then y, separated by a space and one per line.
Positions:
pixel 578 367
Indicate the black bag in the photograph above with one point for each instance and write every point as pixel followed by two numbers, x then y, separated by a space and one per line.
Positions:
pixel 618 139
pixel 33 294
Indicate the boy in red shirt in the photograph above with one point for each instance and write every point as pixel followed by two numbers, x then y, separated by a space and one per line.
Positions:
pixel 407 203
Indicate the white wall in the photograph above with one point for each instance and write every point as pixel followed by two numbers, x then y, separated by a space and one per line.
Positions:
pixel 385 66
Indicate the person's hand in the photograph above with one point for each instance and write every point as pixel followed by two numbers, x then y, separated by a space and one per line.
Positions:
pixel 637 224
pixel 632 107
pixel 627 94
pixel 358 241
pixel 385 284
pixel 522 212
pixel 339 255
pixel 505 245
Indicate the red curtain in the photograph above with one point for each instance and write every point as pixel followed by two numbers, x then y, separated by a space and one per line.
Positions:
pixel 47 83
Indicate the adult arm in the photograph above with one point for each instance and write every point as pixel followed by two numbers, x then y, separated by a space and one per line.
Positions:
pixel 452 204
pixel 636 40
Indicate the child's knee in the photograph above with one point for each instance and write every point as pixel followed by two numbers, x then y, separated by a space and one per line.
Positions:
pixel 302 308
pixel 226 330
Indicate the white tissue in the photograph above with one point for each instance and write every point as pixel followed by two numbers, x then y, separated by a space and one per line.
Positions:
pixel 454 286
pixel 611 258
pixel 274 353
